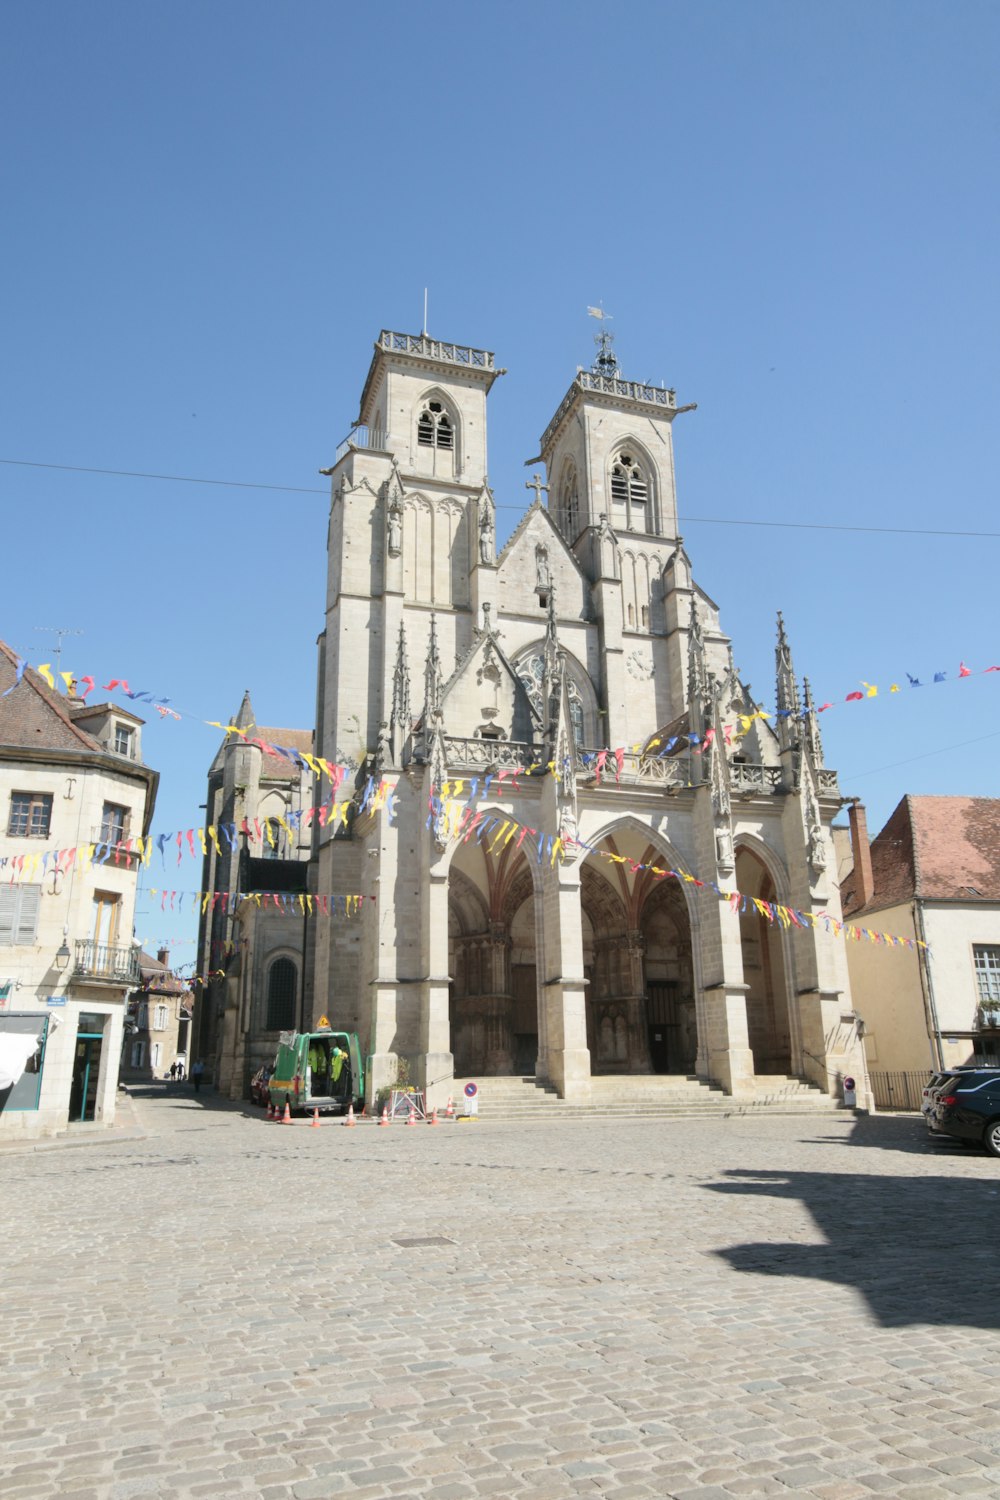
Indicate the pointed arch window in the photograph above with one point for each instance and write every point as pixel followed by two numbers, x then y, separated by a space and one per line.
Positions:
pixel 435 428
pixel 568 512
pixel 282 983
pixel 531 672
pixel 630 489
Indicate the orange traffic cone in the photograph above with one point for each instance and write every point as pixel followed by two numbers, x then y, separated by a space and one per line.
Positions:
pixel 314 1125
pixel 385 1115
pixel 270 1110
pixel 450 1110
pixel 349 1117
pixel 286 1118
pixel 411 1118
pixel 434 1117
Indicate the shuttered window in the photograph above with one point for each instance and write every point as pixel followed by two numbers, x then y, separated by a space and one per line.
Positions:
pixel 19 905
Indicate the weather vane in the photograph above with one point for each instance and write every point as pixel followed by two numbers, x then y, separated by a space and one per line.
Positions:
pixel 606 363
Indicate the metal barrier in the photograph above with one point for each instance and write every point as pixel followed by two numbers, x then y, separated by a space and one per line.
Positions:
pixel 898 1090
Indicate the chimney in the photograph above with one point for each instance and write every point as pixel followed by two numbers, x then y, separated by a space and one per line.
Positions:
pixel 864 880
pixel 163 956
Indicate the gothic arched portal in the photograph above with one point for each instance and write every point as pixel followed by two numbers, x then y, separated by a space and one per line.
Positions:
pixel 638 961
pixel 491 947
pixel 764 970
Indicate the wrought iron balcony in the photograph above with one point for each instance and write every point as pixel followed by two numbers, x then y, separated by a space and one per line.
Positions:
pixel 104 963
pixel 361 436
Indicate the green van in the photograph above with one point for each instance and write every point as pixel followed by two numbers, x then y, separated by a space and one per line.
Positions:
pixel 319 1069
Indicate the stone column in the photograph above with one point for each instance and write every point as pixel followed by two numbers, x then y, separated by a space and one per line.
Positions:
pixel 638 1031
pixel 724 1054
pixel 563 1055
pixel 435 1062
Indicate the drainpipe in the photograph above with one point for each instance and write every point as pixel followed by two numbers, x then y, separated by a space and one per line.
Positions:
pixel 927 981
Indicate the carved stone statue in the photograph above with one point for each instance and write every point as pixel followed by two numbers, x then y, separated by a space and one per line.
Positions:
pixel 542 578
pixel 395 529
pixel 817 847
pixel 383 754
pixel 486 535
pixel 724 849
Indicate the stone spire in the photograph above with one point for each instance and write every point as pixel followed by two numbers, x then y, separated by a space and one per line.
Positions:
pixel 786 692
pixel 401 718
pixel 697 670
pixel 811 735
pixel 433 676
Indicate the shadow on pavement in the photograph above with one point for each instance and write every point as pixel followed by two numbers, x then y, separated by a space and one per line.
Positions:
pixel 919 1249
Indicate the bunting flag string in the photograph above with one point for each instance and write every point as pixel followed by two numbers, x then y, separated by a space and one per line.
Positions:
pixel 452 820
pixel 287 904
pixel 80 687
pixel 194 842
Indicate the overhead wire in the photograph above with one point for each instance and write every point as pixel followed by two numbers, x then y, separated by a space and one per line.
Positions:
pixel 292 489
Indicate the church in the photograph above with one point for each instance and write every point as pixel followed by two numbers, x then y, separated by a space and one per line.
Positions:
pixel 450 663
pixel 561 723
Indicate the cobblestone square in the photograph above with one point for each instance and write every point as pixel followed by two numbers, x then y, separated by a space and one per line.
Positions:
pixel 719 1308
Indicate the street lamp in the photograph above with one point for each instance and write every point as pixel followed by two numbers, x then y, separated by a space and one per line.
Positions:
pixel 62 954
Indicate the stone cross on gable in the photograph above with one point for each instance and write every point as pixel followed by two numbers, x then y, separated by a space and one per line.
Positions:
pixel 535 483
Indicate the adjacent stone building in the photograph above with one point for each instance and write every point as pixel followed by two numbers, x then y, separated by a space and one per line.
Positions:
pixel 158 1023
pixel 74 794
pixel 932 875
pixel 451 665
pixel 253 956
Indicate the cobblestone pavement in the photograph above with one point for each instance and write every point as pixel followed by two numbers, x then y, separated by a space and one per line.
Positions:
pixel 746 1307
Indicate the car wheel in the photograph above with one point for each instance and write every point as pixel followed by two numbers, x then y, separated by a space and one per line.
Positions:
pixel 991 1137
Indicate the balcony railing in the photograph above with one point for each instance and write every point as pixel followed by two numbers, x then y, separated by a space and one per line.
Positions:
pixel 462 753
pixel 632 390
pixel 674 770
pixel 361 436
pixel 105 963
pixel 419 343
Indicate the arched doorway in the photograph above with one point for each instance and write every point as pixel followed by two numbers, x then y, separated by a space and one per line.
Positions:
pixel 493 1004
pixel 638 960
pixel 764 970
pixel 670 1007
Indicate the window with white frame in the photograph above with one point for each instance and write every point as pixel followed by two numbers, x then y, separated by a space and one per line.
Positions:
pixel 142 1017
pixel 160 1018
pixel 30 815
pixel 19 907
pixel 154 1056
pixel 138 1054
pixel 124 739
pixel 434 427
pixel 114 823
pixel 986 958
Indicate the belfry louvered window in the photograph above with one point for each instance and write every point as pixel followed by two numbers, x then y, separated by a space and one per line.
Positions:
pixel 628 482
pixel 434 427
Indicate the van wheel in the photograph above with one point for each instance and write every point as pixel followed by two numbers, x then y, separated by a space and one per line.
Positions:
pixel 991 1138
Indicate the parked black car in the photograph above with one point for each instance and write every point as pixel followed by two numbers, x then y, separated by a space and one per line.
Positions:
pixel 966 1105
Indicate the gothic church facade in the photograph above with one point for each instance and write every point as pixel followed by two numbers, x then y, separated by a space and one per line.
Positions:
pixel 444 663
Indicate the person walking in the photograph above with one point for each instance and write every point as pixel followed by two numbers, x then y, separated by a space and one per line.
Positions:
pixel 197 1073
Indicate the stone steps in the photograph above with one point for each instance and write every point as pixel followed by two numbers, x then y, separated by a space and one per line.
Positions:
pixel 642 1097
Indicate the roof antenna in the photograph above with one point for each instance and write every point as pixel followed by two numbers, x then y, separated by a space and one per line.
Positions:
pixel 606 363
pixel 424 329
pixel 58 632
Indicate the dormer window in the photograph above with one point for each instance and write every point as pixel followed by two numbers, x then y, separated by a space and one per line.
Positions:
pixel 434 427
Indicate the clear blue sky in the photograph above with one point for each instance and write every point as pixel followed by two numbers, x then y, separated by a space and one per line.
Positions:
pixel 791 210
